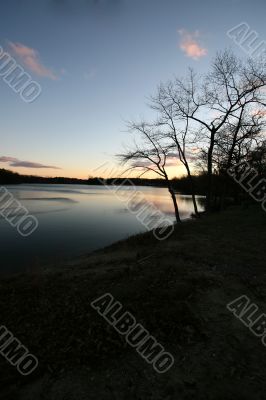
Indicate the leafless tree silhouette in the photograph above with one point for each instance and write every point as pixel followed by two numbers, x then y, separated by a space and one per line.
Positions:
pixel 149 155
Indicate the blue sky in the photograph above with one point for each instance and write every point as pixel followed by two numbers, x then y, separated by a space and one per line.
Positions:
pixel 96 62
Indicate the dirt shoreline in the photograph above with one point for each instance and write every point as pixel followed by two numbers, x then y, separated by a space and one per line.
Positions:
pixel 177 289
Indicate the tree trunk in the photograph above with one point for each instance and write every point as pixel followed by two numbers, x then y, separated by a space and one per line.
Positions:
pixel 209 173
pixel 193 193
pixel 172 193
pixel 185 163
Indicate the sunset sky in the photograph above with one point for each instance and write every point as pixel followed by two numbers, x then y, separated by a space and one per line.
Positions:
pixel 97 61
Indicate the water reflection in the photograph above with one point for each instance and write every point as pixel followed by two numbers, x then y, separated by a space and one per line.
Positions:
pixel 90 217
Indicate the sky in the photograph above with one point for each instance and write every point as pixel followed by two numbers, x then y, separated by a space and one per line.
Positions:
pixel 96 62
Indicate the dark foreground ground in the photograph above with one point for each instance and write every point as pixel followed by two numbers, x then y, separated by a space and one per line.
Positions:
pixel 178 289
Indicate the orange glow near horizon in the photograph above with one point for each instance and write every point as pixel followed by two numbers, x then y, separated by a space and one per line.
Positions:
pixel 111 172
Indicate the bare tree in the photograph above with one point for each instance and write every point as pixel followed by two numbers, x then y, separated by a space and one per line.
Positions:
pixel 238 136
pixel 258 158
pixel 209 103
pixel 149 156
pixel 176 132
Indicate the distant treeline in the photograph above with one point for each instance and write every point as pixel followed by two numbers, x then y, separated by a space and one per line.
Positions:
pixel 181 185
pixel 9 177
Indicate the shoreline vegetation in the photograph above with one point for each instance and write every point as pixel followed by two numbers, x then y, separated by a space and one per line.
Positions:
pixel 194 285
pixel 12 178
pixel 180 185
pixel 177 289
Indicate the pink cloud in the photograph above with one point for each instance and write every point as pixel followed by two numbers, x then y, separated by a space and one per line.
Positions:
pixel 15 162
pixel 30 58
pixel 190 45
pixel 7 159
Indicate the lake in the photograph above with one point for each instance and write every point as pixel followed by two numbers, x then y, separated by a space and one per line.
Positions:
pixel 76 219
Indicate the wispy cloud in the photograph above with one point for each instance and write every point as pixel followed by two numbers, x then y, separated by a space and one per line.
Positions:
pixel 172 159
pixel 189 43
pixel 30 58
pixel 8 159
pixel 15 162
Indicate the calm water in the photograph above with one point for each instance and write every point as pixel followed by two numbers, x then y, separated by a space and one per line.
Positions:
pixel 74 220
